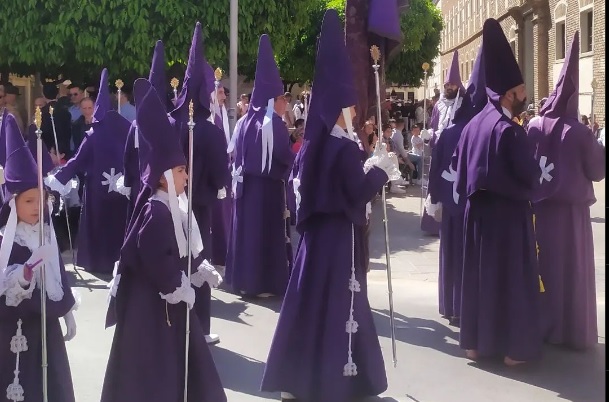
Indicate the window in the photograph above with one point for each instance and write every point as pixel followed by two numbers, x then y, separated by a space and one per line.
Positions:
pixel 560 16
pixel 513 39
pixel 586 25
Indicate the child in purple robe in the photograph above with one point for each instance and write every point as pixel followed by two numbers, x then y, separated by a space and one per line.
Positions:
pixel 21 259
pixel 151 292
pixel 325 347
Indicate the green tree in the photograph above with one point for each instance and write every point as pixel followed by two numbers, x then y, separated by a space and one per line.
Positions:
pixel 79 37
pixel 422 28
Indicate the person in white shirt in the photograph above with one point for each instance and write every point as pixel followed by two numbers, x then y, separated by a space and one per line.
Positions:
pixel 416 153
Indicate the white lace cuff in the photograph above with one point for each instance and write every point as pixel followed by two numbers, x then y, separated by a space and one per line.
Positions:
pixel 206 273
pixel 222 194
pixel 16 287
pixel 63 189
pixel 386 161
pixel 121 188
pixel 184 293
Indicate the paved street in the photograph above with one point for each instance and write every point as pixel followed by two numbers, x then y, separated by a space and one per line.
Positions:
pixel 431 367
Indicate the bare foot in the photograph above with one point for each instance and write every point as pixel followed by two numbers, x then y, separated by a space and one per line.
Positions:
pixel 508 361
pixel 471 354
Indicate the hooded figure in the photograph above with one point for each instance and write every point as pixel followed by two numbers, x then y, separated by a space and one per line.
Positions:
pixel 312 357
pixel 496 173
pixel 131 181
pixel 20 259
pixel 100 160
pixel 444 203
pixel 221 210
pixel 442 116
pixel 210 164
pixel 150 291
pixel 570 159
pixel 257 260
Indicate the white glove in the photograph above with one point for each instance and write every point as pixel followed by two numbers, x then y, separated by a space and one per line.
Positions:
pixel 222 194
pixel 70 326
pixel 122 189
pixel 434 210
pixel 206 273
pixel 40 256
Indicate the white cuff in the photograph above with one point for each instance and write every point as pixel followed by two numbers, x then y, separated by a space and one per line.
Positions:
pixel 222 193
pixel 206 273
pixel 183 293
pixel 62 189
pixel 16 287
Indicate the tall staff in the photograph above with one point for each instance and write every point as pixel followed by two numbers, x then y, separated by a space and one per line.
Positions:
pixel 376 55
pixel 119 85
pixel 425 67
pixel 43 291
pixel 191 126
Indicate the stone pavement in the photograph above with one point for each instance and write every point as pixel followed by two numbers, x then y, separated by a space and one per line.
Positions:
pixel 431 367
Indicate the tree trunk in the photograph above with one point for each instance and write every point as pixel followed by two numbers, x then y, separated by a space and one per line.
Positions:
pixel 359 41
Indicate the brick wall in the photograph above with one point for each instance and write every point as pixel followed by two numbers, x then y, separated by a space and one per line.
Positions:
pixel 465 37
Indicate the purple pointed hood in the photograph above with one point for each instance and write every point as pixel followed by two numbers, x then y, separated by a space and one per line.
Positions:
pixel 475 98
pixel 564 100
pixel 267 83
pixel 20 172
pixel 453 75
pixel 160 147
pixel 333 90
pixel 194 86
pixel 501 68
pixel 102 102
pixel 157 70
pixel 384 19
pixel 32 143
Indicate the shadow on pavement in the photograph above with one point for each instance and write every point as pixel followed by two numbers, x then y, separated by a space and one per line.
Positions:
pixel 574 375
pixel 418 331
pixel 250 372
pixel 404 231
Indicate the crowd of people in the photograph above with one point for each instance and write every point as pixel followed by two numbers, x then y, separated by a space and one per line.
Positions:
pixel 494 193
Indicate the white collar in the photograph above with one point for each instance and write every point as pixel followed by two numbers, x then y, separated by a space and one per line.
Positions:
pixel 339 132
pixel 507 112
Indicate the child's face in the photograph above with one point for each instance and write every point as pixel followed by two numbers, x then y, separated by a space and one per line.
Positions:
pixel 28 205
pixel 180 178
pixel 416 132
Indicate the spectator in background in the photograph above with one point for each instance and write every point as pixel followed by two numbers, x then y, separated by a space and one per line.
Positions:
pixel 296 136
pixel 82 124
pixel 39 102
pixel 242 105
pixel 61 120
pixel 288 116
pixel 127 109
pixel 416 153
pixel 76 94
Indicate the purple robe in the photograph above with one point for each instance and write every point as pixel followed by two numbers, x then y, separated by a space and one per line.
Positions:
pixel 221 214
pixel 310 343
pixel 60 388
pixel 209 176
pixel 564 236
pixel 451 227
pixel 257 260
pixel 147 357
pixel 497 172
pixel 103 215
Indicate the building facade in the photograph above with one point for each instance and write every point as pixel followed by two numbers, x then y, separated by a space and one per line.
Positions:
pixel 539 32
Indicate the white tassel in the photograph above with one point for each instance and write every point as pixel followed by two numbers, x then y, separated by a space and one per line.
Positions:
pixel 14 392
pixel 350 369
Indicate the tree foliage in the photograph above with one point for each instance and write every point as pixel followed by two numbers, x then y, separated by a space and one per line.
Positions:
pixel 79 37
pixel 422 28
